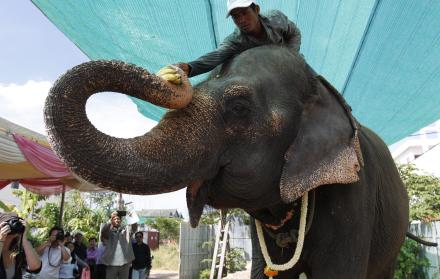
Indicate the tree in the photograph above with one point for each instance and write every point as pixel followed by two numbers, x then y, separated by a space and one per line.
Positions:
pixel 28 202
pixel 212 216
pixel 78 215
pixel 104 200
pixel 168 227
pixel 423 191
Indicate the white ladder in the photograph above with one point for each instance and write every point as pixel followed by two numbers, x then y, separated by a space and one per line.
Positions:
pixel 221 240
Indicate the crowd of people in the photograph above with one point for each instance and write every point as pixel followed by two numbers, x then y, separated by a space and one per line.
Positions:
pixel 121 254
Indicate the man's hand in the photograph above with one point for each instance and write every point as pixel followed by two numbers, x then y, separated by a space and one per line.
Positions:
pixel 52 238
pixel 184 66
pixel 4 231
pixel 170 73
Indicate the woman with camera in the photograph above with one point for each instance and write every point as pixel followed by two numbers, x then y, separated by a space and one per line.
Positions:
pixel 53 254
pixel 17 252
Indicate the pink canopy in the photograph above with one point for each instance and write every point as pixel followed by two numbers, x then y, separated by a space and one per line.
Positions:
pixel 44 160
pixel 41 157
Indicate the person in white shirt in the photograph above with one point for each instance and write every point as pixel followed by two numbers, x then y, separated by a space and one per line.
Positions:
pixel 53 254
pixel 118 253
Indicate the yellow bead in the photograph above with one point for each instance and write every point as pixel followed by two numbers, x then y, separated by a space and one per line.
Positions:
pixel 270 272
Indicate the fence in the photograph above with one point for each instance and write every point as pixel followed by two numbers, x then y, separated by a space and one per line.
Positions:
pixel 192 253
pixel 429 232
pixel 191 250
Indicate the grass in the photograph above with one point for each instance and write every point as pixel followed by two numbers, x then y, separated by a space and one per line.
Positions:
pixel 166 257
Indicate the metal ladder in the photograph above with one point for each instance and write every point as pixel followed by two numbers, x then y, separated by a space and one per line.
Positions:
pixel 221 240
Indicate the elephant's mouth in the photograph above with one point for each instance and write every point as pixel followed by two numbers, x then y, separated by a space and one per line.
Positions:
pixel 200 192
pixel 196 198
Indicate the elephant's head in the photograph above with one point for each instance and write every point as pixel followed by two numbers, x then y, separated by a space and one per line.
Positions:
pixel 256 135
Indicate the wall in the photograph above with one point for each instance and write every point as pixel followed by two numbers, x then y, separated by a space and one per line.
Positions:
pixel 192 253
pixel 429 232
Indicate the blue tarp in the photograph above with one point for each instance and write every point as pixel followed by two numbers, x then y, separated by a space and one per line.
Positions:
pixel 384 56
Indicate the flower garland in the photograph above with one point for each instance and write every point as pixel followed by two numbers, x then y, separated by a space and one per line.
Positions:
pixel 271 268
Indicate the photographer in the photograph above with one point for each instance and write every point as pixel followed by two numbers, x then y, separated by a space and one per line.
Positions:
pixel 13 244
pixel 53 254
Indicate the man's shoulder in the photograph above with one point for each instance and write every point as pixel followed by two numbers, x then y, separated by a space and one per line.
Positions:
pixel 276 19
pixel 234 37
pixel 273 13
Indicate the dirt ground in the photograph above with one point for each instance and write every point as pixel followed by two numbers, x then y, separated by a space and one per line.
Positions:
pixel 164 274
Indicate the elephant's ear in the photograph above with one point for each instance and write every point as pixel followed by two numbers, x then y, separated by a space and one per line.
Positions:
pixel 326 149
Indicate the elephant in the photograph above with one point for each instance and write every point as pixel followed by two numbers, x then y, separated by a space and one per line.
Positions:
pixel 262 132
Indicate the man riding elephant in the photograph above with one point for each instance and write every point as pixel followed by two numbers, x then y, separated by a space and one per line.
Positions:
pixel 253 29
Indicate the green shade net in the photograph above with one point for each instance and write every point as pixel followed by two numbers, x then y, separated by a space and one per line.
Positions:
pixel 384 56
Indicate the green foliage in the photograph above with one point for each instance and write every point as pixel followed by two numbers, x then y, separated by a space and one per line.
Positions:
pixel 213 217
pixel 5 207
pixel 28 202
pixel 106 201
pixel 411 261
pixel 424 200
pixel 78 214
pixel 423 192
pixel 204 273
pixel 169 228
pixel 235 260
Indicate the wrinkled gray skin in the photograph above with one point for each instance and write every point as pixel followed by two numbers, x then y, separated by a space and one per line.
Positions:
pixel 232 144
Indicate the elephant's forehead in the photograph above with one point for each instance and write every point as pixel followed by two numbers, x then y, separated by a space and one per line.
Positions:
pixel 226 88
pixel 236 90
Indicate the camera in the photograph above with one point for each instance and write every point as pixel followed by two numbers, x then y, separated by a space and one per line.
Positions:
pixel 60 236
pixel 122 213
pixel 16 225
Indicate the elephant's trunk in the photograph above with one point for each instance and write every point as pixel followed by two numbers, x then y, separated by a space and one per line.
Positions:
pixel 148 164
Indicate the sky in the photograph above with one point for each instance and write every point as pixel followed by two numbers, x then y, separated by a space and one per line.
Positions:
pixel 33 54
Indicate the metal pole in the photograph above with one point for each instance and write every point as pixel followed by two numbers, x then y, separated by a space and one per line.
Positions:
pixel 60 216
pixel 121 205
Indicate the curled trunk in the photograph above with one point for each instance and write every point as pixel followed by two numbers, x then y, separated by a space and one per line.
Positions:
pixel 149 164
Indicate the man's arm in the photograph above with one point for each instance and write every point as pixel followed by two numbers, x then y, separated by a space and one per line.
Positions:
pixel 32 258
pixel 65 253
pixel 290 31
pixel 293 36
pixel 229 48
pixel 40 249
pixel 105 232
pixel 82 263
pixel 148 259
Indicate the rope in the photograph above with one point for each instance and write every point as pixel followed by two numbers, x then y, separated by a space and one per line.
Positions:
pixel 299 246
pixel 292 235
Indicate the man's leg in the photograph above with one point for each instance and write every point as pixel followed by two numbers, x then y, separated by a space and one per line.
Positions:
pixel 124 271
pixel 135 274
pixel 100 271
pixel 142 273
pixel 111 272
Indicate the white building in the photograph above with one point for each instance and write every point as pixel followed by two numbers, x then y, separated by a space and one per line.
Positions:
pixel 421 148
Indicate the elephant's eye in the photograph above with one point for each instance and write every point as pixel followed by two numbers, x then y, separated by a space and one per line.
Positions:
pixel 238 108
